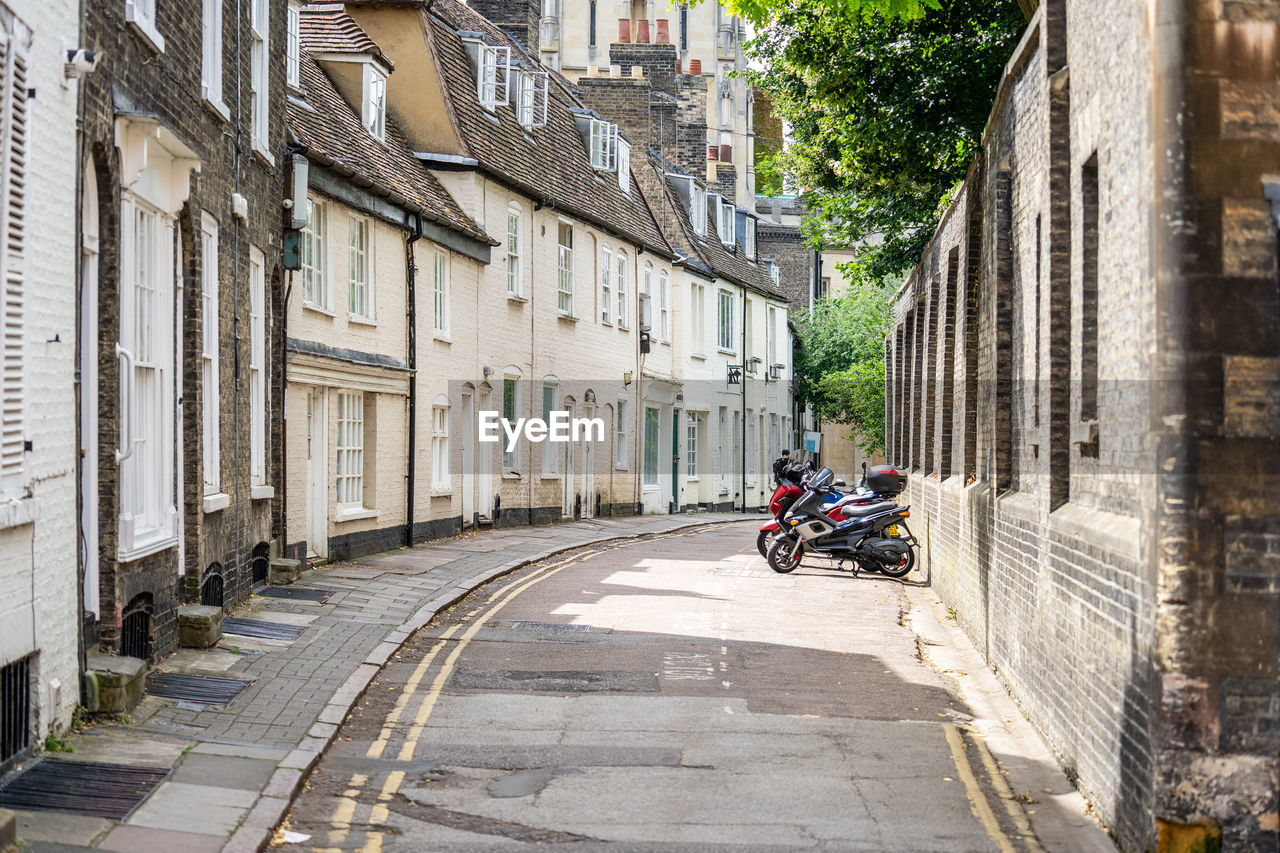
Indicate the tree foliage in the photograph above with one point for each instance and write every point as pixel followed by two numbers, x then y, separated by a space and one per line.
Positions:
pixel 840 359
pixel 886 103
pixel 761 12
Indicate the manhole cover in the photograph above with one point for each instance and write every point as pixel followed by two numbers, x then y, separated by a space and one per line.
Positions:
pixel 201 689
pixel 294 593
pixel 81 787
pixel 574 681
pixel 261 629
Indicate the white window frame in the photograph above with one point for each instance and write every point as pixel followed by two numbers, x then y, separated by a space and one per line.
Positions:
pixel 441 479
pixel 260 77
pixel 440 294
pixel 148 512
pixel 664 306
pixel 604 145
pixel 532 93
pixel 691 446
pixel 725 340
pixel 652 460
pixel 15 210
pixel 564 268
pixel 210 398
pixel 749 237
pixel 360 269
pixel 141 15
pixel 698 209
pixel 550 449
pixel 211 57
pixel 697 318
pixel 620 460
pixel 293 45
pixel 312 248
pixel 515 259
pixel 606 285
pixel 494 77
pixel 624 165
pixel 511 411
pixel 374 114
pixel 753 450
pixel 771 339
pixel 350 449
pixel 257 369
pixel 620 313
pixel 726 223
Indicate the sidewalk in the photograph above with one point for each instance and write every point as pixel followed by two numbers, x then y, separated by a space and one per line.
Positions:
pixel 236 768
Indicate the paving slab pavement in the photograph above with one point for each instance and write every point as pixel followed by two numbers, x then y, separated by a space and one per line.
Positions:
pixel 237 768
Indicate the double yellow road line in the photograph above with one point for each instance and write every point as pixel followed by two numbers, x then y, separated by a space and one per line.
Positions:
pixel 1024 838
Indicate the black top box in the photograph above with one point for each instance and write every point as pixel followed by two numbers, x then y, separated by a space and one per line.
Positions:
pixel 886 480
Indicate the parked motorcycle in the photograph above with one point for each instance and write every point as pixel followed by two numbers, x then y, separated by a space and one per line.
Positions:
pixel 790 487
pixel 871 539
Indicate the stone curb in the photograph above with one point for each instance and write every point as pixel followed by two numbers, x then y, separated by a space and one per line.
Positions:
pixel 275 800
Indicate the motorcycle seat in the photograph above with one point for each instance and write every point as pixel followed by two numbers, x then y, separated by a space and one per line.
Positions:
pixel 854 511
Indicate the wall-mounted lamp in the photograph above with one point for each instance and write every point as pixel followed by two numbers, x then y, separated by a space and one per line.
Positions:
pixel 81 62
pixel 488 371
pixel 626 379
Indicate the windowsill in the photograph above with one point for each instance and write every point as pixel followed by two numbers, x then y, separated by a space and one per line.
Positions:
pixel 689 479
pixel 549 476
pixel 442 338
pixel 296 89
pixel 17 512
pixel 144 28
pixel 263 155
pixel 621 468
pixel 355 514
pixel 216 107
pixel 515 297
pixel 623 327
pixel 605 323
pixel 362 321
pixel 319 309
pixel 699 356
pixel 568 318
pixel 216 502
pixel 441 491
pixel 511 475
pixel 155 546
pixel 262 493
pixel 724 351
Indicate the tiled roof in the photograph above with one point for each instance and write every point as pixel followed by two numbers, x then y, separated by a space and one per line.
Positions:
pixel 549 163
pixel 333 135
pixel 327 28
pixel 710 253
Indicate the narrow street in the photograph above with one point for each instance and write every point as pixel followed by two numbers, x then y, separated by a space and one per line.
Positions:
pixel 672 693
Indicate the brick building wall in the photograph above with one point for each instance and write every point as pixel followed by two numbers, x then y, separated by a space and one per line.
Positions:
pixel 137 81
pixel 1043 343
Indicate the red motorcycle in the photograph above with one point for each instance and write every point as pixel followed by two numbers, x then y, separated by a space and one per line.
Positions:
pixel 790 487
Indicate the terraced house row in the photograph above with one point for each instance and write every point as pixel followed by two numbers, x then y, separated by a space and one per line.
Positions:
pixel 271 266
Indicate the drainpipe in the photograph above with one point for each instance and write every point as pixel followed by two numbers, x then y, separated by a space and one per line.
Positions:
pixel 743 460
pixel 82 552
pixel 411 281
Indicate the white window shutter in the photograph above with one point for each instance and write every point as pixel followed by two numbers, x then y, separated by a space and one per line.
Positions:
pixel 15 132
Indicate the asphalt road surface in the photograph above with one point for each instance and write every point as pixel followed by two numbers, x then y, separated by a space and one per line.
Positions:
pixel 669 694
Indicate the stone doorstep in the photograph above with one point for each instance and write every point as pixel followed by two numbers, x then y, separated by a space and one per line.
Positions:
pixel 199 626
pixel 114 684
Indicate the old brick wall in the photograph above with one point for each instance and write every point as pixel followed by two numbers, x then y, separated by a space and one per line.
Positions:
pixel 135 76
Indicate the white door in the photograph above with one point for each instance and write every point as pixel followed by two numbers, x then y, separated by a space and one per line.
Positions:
pixel 317 474
pixel 468 458
pixel 589 470
pixel 566 480
pixel 484 470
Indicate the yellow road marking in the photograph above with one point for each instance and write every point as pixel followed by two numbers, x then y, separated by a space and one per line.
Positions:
pixel 977 802
pixel 1016 814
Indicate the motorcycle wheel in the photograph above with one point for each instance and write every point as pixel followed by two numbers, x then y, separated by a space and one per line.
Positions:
pixel 901 567
pixel 785 553
pixel 763 541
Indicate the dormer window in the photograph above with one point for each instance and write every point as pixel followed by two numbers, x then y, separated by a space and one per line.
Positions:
pixel 293 46
pixel 749 236
pixel 604 145
pixel 494 77
pixel 530 98
pixel 375 101
pixel 725 223
pixel 698 210
pixel 624 165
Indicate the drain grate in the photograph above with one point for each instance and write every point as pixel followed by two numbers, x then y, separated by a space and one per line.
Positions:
pixel 549 626
pixel 81 787
pixel 261 629
pixel 296 593
pixel 201 689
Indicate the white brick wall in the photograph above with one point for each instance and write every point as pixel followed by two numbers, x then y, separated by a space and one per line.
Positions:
pixel 39 587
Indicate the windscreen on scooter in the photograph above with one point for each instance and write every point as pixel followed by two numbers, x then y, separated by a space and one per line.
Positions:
pixel 821 479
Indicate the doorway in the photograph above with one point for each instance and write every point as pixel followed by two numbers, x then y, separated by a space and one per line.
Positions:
pixel 317 474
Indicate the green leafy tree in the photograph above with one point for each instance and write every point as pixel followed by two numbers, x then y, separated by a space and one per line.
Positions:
pixel 840 359
pixel 886 103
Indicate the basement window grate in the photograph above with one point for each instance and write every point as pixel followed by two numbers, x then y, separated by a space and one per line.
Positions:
pixel 81 787
pixel 135 629
pixel 200 689
pixel 211 591
pixel 261 628
pixel 296 593
pixel 15 709
pixel 261 563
